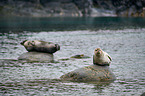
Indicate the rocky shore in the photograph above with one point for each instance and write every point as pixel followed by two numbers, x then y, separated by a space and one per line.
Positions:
pixel 72 8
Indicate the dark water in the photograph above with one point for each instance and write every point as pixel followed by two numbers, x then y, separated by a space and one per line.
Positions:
pixel 17 24
pixel 122 38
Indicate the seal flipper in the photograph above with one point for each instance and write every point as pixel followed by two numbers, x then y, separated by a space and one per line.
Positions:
pixel 110 58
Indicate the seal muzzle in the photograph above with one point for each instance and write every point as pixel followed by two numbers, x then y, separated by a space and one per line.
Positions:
pixel 57 47
pixel 22 43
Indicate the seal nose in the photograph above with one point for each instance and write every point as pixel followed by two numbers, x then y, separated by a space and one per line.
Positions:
pixel 99 52
pixel 22 43
pixel 57 46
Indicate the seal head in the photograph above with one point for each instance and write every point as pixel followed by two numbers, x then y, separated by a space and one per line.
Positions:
pixel 29 45
pixel 57 47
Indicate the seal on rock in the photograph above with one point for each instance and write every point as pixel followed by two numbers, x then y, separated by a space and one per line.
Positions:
pixel 40 46
pixel 100 71
pixel 101 58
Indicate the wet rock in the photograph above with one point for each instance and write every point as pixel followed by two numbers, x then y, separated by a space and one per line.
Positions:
pixel 69 8
pixel 90 73
pixel 36 57
pixel 122 7
pixel 128 7
pixel 143 94
pixel 46 8
pixel 61 9
pixel 85 6
pixel 81 56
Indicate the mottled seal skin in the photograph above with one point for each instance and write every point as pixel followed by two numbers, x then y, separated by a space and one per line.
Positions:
pixel 101 58
pixel 90 73
pixel 40 46
pixel 36 57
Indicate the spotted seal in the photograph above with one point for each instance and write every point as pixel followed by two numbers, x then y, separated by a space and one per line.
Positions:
pixel 101 58
pixel 40 46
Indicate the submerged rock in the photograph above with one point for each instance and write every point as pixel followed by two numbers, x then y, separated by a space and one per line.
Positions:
pixel 82 56
pixel 36 57
pixel 90 73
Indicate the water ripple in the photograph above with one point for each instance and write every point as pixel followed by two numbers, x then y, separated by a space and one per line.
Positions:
pixel 126 48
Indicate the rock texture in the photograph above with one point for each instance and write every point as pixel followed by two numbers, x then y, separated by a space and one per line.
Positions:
pixel 36 57
pixel 90 73
pixel 75 8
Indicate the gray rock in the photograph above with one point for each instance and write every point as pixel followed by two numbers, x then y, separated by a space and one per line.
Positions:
pixel 36 57
pixel 71 8
pixel 90 73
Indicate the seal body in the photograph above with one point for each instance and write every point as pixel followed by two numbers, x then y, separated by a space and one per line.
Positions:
pixel 40 46
pixel 90 73
pixel 101 58
pixel 36 57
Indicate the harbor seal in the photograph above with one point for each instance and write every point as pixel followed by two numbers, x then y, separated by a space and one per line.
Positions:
pixel 101 58
pixel 90 73
pixel 40 46
pixel 99 71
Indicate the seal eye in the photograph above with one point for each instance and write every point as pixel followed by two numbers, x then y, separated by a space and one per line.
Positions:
pixel 33 43
pixel 28 43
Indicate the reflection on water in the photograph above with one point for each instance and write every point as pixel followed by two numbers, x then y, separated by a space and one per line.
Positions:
pixel 126 47
pixel 20 24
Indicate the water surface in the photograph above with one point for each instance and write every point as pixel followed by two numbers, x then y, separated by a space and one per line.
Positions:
pixel 20 24
pixel 124 43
